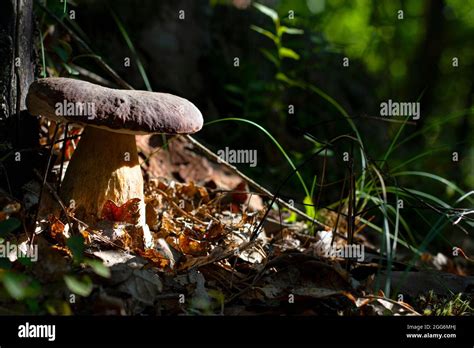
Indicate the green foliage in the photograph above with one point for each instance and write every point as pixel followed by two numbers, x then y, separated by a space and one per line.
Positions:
pixel 268 12
pixel 98 267
pixel 8 226
pixel 81 286
pixel 131 46
pixel 76 245
pixel 277 37
pixel 19 286
pixel 454 305
pixel 280 148
pixel 308 204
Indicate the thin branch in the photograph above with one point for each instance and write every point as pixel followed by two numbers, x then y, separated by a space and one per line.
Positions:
pixel 63 157
pixel 213 157
pixel 46 171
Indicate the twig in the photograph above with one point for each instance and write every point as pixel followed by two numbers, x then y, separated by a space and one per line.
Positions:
pixel 63 157
pixel 339 208
pixel 56 196
pixel 73 137
pixel 46 171
pixel 89 75
pixel 68 217
pixel 213 157
pixel 7 179
pixel 224 255
pixel 183 212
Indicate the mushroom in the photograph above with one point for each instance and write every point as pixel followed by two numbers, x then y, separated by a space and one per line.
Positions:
pixel 105 164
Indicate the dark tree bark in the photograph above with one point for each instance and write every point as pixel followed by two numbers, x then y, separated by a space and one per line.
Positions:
pixel 18 130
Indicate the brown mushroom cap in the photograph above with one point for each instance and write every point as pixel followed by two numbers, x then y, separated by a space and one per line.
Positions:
pixel 121 111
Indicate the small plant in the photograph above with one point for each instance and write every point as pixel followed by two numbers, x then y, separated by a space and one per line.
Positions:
pixel 432 304
pixel 276 36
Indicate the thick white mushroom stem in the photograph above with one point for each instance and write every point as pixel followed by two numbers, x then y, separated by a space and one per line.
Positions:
pixel 104 166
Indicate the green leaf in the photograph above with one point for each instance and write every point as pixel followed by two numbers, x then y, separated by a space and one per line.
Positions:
pixel 25 261
pixel 291 31
pixel 57 8
pixel 438 178
pixel 310 211
pixel 236 102
pixel 43 57
pixel 282 77
pixel 19 286
pixel 5 263
pixel 234 89
pixel 270 57
pixel 8 226
pixel 61 52
pixel 313 186
pixel 267 11
pixel 82 287
pixel 288 53
pixel 70 69
pixel 292 218
pixel 265 32
pixel 98 267
pixel 33 305
pixel 76 244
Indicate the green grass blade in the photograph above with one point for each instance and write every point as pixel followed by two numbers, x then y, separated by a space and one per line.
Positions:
pixel 441 121
pixel 282 150
pixel 265 32
pixel 394 141
pixel 438 178
pixel 399 132
pixel 421 155
pixel 43 59
pixel 401 241
pixel 133 50
pixel 268 12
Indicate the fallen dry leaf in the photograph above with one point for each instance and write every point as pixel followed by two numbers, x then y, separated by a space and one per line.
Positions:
pixel 127 212
pixel 215 231
pixel 191 246
pixel 143 285
pixel 57 229
pixel 381 304
pixel 117 232
pixel 156 258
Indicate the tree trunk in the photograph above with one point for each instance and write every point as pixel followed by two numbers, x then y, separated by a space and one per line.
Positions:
pixel 18 130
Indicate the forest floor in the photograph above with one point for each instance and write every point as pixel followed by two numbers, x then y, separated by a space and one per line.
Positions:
pixel 219 250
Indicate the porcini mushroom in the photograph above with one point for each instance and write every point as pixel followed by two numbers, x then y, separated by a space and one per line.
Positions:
pixel 105 164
